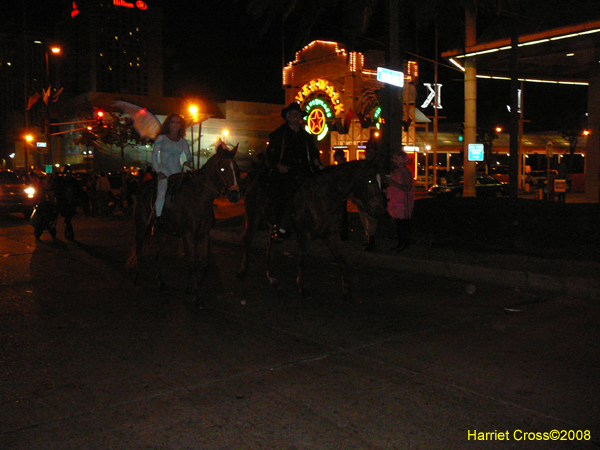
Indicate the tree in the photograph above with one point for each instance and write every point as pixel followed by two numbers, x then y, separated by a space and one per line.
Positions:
pixel 114 130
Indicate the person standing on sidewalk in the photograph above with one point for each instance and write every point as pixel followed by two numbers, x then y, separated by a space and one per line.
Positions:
pixel 102 194
pixel 401 200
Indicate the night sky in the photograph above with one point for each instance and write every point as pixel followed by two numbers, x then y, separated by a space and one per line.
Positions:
pixel 216 48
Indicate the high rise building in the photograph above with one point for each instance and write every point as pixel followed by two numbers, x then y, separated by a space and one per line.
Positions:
pixel 112 46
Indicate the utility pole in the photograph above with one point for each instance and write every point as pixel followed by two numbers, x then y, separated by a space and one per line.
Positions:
pixel 470 167
pixel 392 131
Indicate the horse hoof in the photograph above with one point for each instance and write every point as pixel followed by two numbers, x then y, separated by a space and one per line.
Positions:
pixel 347 298
pixel 199 304
pixel 305 293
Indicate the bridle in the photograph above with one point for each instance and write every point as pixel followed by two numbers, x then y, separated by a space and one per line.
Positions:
pixel 370 196
pixel 223 188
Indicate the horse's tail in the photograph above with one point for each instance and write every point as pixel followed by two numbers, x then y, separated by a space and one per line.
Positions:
pixel 132 261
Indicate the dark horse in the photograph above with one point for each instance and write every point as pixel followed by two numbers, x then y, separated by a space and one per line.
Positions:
pixel 317 212
pixel 191 216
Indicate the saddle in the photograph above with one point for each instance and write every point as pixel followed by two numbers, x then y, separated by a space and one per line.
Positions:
pixel 175 182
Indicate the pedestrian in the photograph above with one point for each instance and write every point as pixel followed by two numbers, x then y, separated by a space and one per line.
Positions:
pixel 149 174
pixel 401 199
pixel 169 147
pixel 102 190
pixel 339 156
pixel 68 195
pixel 293 156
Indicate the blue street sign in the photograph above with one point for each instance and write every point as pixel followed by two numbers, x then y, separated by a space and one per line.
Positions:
pixel 475 152
pixel 390 76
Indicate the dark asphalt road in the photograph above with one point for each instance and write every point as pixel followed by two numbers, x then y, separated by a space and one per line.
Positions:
pixel 90 361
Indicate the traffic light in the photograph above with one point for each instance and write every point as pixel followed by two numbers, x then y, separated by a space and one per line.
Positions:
pixel 99 116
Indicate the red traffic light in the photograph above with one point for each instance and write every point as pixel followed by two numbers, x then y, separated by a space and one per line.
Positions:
pixel 100 114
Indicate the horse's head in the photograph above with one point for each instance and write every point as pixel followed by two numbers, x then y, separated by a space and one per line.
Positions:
pixel 367 191
pixel 227 172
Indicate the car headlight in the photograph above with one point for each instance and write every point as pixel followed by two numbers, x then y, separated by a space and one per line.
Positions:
pixel 30 191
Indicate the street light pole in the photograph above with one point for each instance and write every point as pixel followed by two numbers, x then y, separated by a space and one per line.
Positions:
pixel 194 112
pixel 47 100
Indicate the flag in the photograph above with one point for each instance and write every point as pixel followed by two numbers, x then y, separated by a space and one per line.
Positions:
pixel 46 95
pixel 34 98
pixel 348 119
pixel 55 98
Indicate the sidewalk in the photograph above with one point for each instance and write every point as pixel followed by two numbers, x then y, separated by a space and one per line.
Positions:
pixel 573 278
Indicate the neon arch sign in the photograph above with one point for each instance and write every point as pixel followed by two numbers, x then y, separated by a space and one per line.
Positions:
pixel 321 85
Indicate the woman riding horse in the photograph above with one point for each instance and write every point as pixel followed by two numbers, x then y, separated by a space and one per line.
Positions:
pixel 166 156
pixel 191 216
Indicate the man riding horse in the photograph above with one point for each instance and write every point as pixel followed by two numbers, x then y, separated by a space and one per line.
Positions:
pixel 293 155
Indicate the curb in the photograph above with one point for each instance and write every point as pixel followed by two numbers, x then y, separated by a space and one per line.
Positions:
pixel 574 286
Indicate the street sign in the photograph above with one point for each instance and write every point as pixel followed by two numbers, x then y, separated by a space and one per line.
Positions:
pixel 41 144
pixel 475 152
pixel 389 76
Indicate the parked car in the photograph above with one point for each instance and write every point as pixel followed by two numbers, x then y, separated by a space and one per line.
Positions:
pixel 485 186
pixel 424 182
pixel 16 195
pixel 538 178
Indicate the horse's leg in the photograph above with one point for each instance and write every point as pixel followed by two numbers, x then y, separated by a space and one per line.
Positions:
pixel 162 241
pixel 142 231
pixel 202 249
pixel 69 233
pixel 302 240
pixel 334 244
pixel 251 224
pixel 191 257
pixel 274 281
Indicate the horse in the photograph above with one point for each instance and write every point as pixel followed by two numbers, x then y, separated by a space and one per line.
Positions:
pixel 191 216
pixel 317 212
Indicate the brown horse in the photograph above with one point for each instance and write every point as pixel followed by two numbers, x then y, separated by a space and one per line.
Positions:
pixel 191 216
pixel 317 212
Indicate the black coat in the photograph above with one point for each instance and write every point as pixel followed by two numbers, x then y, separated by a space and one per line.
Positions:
pixel 297 150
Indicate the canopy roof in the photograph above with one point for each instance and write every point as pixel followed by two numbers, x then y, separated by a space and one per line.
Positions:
pixel 565 55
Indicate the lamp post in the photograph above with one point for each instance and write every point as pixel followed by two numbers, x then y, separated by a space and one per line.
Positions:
pixel 28 140
pixel 55 50
pixel 193 109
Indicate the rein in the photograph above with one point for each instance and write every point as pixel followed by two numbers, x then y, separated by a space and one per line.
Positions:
pixel 224 182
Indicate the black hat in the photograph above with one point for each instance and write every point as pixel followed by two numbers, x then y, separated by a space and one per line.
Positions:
pixel 291 107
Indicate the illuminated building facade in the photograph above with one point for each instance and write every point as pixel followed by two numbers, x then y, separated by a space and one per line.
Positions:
pixel 339 92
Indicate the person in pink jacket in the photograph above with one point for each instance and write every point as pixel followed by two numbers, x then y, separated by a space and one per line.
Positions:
pixel 401 199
